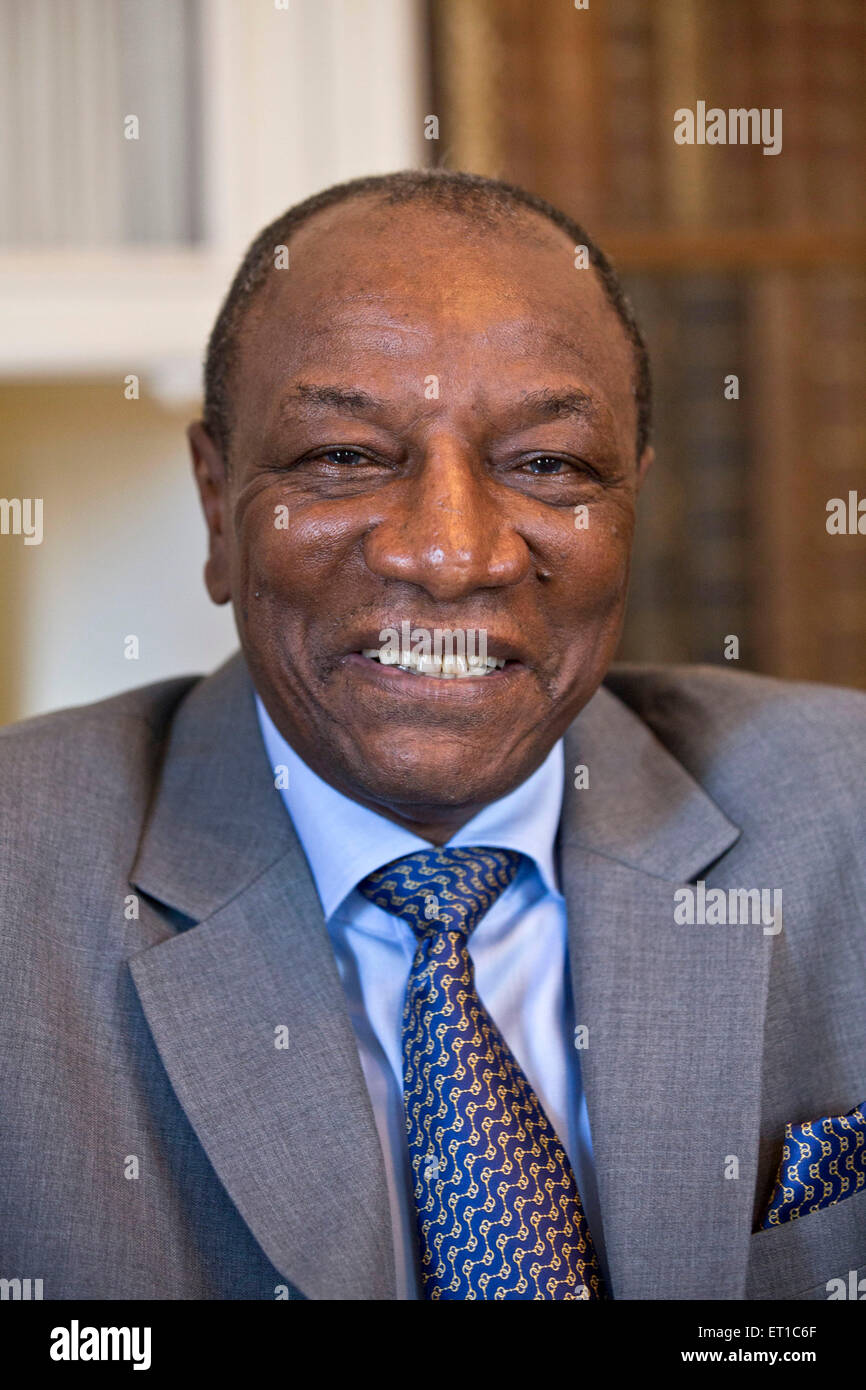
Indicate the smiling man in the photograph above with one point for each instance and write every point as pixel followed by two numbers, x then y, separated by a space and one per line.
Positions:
pixel 361 973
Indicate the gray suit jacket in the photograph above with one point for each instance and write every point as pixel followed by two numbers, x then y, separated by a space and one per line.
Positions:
pixel 147 1043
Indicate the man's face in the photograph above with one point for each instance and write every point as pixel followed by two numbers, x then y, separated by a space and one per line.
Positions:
pixel 420 406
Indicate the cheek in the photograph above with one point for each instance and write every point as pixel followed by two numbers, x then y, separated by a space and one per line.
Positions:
pixel 288 551
pixel 594 562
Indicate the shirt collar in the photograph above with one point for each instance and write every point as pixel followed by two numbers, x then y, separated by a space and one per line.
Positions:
pixel 344 841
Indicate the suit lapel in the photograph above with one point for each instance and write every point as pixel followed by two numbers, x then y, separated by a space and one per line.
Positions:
pixel 674 1014
pixel 289 1130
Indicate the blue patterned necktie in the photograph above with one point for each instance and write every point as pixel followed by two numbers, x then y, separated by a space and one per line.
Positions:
pixel 498 1211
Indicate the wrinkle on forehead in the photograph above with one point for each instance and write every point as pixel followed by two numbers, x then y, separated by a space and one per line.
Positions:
pixel 379 330
pixel 492 307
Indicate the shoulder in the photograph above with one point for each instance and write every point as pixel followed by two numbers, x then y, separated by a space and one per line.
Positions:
pixel 726 725
pixel 687 696
pixel 87 758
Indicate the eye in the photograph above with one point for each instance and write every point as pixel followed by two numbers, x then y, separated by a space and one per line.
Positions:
pixel 546 466
pixel 345 456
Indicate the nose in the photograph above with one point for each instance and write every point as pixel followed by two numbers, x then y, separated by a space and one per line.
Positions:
pixel 446 532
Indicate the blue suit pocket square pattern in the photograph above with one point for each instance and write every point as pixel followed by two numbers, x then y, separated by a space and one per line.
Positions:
pixel 823 1162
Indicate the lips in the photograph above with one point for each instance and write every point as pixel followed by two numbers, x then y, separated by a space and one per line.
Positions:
pixel 371 681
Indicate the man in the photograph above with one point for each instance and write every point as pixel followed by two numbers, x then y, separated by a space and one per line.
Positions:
pixel 365 969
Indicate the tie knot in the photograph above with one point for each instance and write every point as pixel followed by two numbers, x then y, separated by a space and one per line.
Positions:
pixel 442 889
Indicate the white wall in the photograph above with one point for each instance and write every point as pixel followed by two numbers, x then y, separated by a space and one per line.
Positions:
pixel 122 549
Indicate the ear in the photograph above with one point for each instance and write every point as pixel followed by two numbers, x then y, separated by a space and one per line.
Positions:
pixel 211 476
pixel 644 464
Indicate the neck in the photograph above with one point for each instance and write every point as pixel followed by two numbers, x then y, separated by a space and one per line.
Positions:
pixel 434 824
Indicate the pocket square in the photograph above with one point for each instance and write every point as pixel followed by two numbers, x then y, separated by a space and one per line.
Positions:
pixel 823 1162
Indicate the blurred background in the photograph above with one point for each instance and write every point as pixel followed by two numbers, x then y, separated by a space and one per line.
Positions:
pixel 118 238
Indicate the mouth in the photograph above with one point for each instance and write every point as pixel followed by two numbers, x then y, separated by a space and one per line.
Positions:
pixel 442 668
pixel 477 663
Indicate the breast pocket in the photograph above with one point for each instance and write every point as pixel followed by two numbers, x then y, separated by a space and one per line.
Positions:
pixel 799 1258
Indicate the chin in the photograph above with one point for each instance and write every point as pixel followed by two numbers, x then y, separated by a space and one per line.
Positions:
pixel 440 772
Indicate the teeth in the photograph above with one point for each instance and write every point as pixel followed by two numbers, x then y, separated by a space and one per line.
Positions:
pixel 447 668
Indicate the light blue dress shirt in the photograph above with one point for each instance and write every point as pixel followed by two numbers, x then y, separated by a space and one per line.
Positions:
pixel 519 949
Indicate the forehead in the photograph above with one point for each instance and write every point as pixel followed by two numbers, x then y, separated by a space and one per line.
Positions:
pixel 380 291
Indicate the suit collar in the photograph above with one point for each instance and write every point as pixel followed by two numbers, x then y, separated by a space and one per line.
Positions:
pixel 641 807
pixel 216 822
pixel 291 1132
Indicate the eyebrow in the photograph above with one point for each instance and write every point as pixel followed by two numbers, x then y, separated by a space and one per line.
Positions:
pixel 553 404
pixel 349 399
